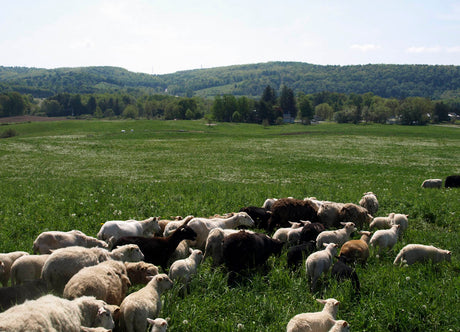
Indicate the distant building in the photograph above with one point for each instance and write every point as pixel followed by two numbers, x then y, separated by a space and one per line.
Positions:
pixel 287 118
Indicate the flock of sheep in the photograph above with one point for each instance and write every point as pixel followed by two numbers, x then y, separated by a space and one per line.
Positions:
pixel 75 282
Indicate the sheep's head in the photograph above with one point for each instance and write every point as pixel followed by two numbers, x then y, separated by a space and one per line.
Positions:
pixel 152 225
pixel 158 324
pixel 128 252
pixel 186 233
pixel 162 281
pixel 2 267
pixel 245 220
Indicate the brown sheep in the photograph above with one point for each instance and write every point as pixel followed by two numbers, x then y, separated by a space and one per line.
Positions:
pixel 357 250
pixel 291 209
pixel 140 272
pixel 356 214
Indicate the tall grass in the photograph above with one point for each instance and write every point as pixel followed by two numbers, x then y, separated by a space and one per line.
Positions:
pixel 79 174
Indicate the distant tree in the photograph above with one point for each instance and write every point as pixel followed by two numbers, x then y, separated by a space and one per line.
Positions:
pixel 287 102
pixel 91 105
pixel 76 105
pixel 306 108
pixel 236 116
pixel 415 111
pixel 441 112
pixel 51 107
pixel 324 111
pixel 269 95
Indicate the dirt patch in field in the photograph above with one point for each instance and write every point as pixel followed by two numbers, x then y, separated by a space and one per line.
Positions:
pixel 30 118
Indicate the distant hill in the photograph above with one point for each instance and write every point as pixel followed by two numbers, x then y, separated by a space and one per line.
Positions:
pixel 397 81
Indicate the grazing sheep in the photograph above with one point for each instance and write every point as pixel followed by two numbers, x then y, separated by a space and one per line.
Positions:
pixel 260 215
pixel 158 325
pixel 340 326
pixel 140 272
pixel 27 268
pixel 6 261
pixel 452 181
pixel 202 226
pixel 339 236
pixel 291 209
pixel 114 229
pixel 355 213
pixel 93 329
pixel 401 220
pixel 182 270
pixel 158 250
pixel 320 262
pixel 321 321
pixel 413 253
pixel 382 222
pixel 298 253
pixel 245 250
pixel 48 241
pixel 65 262
pixel 370 203
pixel 341 271
pixel 385 238
pixel 51 313
pixel 107 281
pixel 329 213
pixel 432 183
pixel 281 234
pixel 144 303
pixel 357 250
pixel 10 296
pixel 311 231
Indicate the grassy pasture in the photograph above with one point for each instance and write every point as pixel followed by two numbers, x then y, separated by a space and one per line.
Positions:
pixel 78 174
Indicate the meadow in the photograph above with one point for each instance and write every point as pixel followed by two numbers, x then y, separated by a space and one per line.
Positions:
pixel 78 174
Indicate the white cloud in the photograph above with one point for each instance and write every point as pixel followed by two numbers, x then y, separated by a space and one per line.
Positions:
pixel 365 47
pixel 453 49
pixel 424 49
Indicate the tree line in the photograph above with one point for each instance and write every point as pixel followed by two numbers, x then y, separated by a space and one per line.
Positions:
pixel 272 107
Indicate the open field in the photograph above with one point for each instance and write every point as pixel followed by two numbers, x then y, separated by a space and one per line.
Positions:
pixel 78 174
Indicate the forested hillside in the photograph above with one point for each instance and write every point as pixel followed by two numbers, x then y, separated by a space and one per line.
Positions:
pixel 388 81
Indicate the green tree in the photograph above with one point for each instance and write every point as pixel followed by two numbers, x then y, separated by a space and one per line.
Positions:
pixel 76 105
pixel 287 102
pixel 324 111
pixel 415 111
pixel 91 105
pixel 51 107
pixel 306 108
pixel 441 112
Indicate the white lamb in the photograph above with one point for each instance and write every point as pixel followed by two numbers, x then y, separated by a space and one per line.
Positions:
pixel 202 227
pixel 401 220
pixel 144 303
pixel 340 326
pixel 321 321
pixel 6 261
pixel 432 183
pixel 382 222
pixel 413 253
pixel 65 262
pixel 320 262
pixel 114 229
pixel 339 236
pixel 51 313
pixel 370 203
pixel 158 324
pixel 48 241
pixel 182 270
pixel 269 203
pixel 27 268
pixel 282 234
pixel 385 238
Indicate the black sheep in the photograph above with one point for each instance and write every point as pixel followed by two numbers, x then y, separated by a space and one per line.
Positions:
pixel 157 250
pixel 291 209
pixel 452 181
pixel 260 215
pixel 297 254
pixel 245 250
pixel 310 231
pixel 341 271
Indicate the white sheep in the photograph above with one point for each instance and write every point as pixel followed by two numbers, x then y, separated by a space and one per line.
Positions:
pixel 382 222
pixel 340 326
pixel 107 281
pixel 339 236
pixel 114 229
pixel 269 203
pixel 27 268
pixel 385 238
pixel 401 220
pixel 281 234
pixel 320 321
pixel 182 270
pixel 51 313
pixel 202 227
pixel 158 324
pixel 432 183
pixel 51 240
pixel 6 261
pixel 144 303
pixel 320 262
pixel 370 203
pixel 65 262
pixel 140 272
pixel 413 253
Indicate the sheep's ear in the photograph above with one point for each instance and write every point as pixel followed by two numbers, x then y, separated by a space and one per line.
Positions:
pixel 291 223
pixel 150 321
pixel 336 303
pixel 321 301
pixel 190 250
pixel 345 324
pixel 325 244
pixel 343 223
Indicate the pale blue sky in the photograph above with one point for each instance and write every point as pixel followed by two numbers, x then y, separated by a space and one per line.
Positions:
pixel 166 36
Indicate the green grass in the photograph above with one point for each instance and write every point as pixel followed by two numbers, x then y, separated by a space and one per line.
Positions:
pixel 78 174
